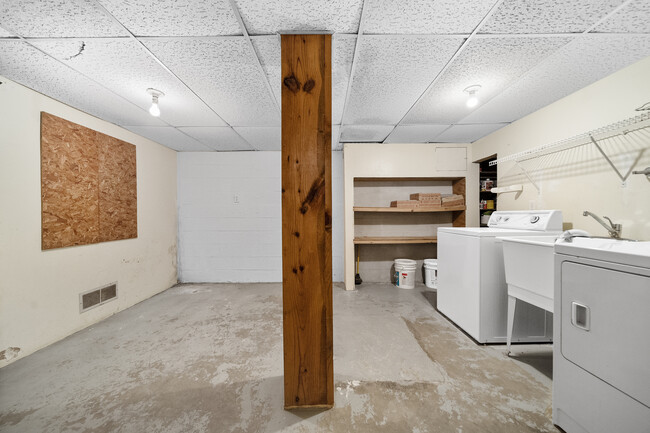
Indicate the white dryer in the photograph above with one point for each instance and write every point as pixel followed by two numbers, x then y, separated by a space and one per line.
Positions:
pixel 601 354
pixel 472 290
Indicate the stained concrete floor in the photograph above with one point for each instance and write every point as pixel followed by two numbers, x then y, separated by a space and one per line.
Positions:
pixel 208 358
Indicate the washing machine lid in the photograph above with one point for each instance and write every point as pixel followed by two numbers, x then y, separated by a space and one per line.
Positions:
pixel 609 250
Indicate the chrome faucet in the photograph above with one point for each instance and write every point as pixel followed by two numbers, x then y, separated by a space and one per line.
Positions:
pixel 614 230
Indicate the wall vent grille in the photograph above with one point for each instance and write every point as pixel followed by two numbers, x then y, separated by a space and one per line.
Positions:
pixel 96 297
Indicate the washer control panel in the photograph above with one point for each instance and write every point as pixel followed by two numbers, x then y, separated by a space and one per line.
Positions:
pixel 542 220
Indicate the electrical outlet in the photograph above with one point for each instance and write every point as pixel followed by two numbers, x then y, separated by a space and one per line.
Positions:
pixel 235 199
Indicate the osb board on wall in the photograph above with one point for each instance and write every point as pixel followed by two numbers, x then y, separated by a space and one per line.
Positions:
pixel 88 185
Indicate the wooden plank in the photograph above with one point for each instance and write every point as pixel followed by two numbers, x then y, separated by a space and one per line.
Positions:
pixel 378 240
pixel 458 187
pixel 406 210
pixel 307 221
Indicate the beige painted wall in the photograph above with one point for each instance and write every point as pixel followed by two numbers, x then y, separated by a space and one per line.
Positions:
pixel 402 160
pixel 580 179
pixel 39 290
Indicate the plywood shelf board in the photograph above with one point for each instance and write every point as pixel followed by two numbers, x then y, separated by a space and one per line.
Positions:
pixel 370 240
pixel 406 210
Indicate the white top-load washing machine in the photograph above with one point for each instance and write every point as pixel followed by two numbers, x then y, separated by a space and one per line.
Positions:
pixel 472 290
pixel 601 354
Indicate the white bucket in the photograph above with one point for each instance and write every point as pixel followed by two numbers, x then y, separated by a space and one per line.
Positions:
pixel 405 273
pixel 431 273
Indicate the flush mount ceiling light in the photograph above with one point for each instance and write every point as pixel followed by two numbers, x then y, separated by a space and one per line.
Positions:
pixel 154 110
pixel 472 101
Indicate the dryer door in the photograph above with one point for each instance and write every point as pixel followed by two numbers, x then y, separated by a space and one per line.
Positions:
pixel 605 323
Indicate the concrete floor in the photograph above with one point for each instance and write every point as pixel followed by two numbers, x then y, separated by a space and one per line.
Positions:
pixel 208 358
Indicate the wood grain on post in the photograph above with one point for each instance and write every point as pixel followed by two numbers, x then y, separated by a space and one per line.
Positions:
pixel 307 221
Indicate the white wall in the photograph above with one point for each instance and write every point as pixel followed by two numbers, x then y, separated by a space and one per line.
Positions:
pixel 404 160
pixel 578 180
pixel 224 241
pixel 39 290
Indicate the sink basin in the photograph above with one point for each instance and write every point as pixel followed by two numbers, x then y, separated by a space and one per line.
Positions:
pixel 610 250
pixel 528 262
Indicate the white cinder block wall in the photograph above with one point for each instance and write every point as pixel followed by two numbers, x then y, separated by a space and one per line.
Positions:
pixel 230 217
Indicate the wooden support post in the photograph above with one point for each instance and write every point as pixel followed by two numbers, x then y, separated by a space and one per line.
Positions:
pixel 307 221
pixel 458 187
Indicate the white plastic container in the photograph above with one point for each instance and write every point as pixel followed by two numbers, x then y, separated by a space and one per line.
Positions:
pixel 405 273
pixel 431 273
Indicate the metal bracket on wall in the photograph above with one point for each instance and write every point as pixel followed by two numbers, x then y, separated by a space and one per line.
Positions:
pixel 530 179
pixel 629 172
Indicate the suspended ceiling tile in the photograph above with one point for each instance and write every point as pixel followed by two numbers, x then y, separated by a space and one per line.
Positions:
pixel 424 16
pixel 281 16
pixel 225 72
pixel 28 66
pixel 342 56
pixel 170 137
pixel 467 133
pixel 392 72
pixel 632 18
pixel 547 16
pixel 217 138
pixel 4 33
pixel 576 65
pixel 492 63
pixel 415 133
pixel 124 67
pixel 269 53
pixel 365 133
pixel 56 18
pixel 262 138
pixel 175 17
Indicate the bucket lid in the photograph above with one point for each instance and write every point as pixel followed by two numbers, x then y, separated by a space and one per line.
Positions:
pixel 405 261
pixel 431 262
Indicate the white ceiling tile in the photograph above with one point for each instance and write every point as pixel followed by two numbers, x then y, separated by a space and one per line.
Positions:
pixel 424 16
pixel 269 52
pixel 467 133
pixel 633 18
pixel 392 72
pixel 281 16
pixel 547 16
pixel 217 138
pixel 576 65
pixel 224 71
pixel 342 54
pixel 170 137
pixel 30 67
pixel 415 133
pixel 175 17
pixel 124 67
pixel 56 18
pixel 492 63
pixel 262 138
pixel 365 133
pixel 5 33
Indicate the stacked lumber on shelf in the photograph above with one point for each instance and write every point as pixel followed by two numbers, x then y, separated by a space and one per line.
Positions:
pixel 427 200
pixel 407 204
pixel 453 200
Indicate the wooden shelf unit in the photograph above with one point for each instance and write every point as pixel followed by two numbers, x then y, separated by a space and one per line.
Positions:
pixel 394 240
pixel 406 210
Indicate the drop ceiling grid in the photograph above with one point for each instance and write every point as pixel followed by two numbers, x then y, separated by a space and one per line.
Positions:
pixel 415 133
pixel 5 33
pixel 632 18
pixel 467 133
pixel 492 63
pixel 574 66
pixel 548 16
pixel 365 133
pixel 224 72
pixel 342 56
pixel 175 17
pixel 122 66
pixel 170 137
pixel 392 72
pixel 268 52
pixel 217 138
pixel 433 17
pixel 55 18
pixel 282 16
pixel 261 138
pixel 32 68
